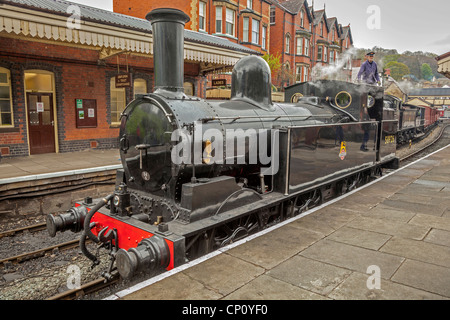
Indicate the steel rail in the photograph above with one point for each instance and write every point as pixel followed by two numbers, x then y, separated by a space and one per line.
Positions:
pixel 41 252
pixel 427 145
pixel 33 228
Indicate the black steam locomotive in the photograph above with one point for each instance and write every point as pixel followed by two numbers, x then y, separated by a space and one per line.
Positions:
pixel 198 175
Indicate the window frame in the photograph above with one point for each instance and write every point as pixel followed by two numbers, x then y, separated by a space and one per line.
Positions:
pixel 219 8
pixel 297 46
pixel 272 15
pixel 255 33
pixel 232 23
pixel 287 43
pixel 306 47
pixel 245 29
pixel 113 90
pixel 134 85
pixel 9 85
pixel 319 51
pixel 264 37
pixel 302 18
pixel 202 14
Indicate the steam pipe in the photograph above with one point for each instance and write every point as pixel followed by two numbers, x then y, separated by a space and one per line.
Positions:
pixel 87 219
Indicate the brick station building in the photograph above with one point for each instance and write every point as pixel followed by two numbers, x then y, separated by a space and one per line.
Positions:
pixel 58 89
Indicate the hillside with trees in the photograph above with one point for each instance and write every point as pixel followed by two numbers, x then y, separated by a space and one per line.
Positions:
pixel 416 66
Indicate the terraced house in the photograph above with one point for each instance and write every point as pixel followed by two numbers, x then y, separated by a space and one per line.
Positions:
pixel 307 40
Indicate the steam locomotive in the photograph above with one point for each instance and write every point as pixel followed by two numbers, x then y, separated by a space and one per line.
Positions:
pixel 198 175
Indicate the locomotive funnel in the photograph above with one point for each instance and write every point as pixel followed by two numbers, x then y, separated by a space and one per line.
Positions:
pixel 168 47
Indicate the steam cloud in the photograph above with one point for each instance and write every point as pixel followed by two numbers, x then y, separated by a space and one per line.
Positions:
pixel 333 72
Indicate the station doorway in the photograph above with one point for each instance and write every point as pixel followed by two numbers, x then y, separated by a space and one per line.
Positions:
pixel 39 86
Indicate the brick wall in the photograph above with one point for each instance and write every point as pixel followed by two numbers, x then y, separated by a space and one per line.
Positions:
pixel 260 12
pixel 78 74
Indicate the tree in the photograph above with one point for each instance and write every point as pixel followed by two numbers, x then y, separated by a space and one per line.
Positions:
pixel 390 57
pixel 273 62
pixel 426 71
pixel 398 69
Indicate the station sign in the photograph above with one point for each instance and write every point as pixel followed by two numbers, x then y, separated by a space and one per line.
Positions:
pixel 123 80
pixel 219 82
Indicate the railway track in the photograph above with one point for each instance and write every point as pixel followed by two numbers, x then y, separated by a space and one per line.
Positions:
pixel 32 228
pixel 445 128
pixel 41 252
pixel 96 285
pixel 85 289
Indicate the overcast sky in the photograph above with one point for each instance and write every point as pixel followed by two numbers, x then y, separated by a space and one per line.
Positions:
pixel 414 25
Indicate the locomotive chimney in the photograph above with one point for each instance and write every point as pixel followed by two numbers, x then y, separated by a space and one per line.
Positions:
pixel 168 47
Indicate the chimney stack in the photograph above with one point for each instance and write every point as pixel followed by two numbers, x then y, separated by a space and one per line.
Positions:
pixel 168 48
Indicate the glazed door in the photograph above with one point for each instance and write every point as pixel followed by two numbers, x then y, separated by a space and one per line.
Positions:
pixel 41 123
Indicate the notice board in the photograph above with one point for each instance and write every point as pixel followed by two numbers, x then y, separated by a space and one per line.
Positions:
pixel 86 113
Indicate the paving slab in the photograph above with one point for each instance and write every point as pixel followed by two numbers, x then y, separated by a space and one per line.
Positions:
pixel 269 288
pixel 360 238
pixel 355 287
pixel 389 213
pixel 275 247
pixel 309 274
pixel 326 220
pixel 427 220
pixel 438 237
pixel 176 287
pixel 418 250
pixel 390 227
pixel 344 255
pixel 415 207
pixel 224 273
pixel 425 276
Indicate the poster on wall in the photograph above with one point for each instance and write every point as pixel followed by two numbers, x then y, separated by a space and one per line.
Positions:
pixel 86 113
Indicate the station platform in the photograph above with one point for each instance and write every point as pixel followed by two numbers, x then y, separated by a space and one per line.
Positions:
pixel 34 167
pixel 389 240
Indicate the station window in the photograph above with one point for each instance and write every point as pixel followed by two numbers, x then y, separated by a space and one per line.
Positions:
pixel 188 88
pixel 6 114
pixel 140 86
pixel 118 101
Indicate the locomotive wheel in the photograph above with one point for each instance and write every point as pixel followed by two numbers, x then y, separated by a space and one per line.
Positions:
pixel 235 230
pixel 220 236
